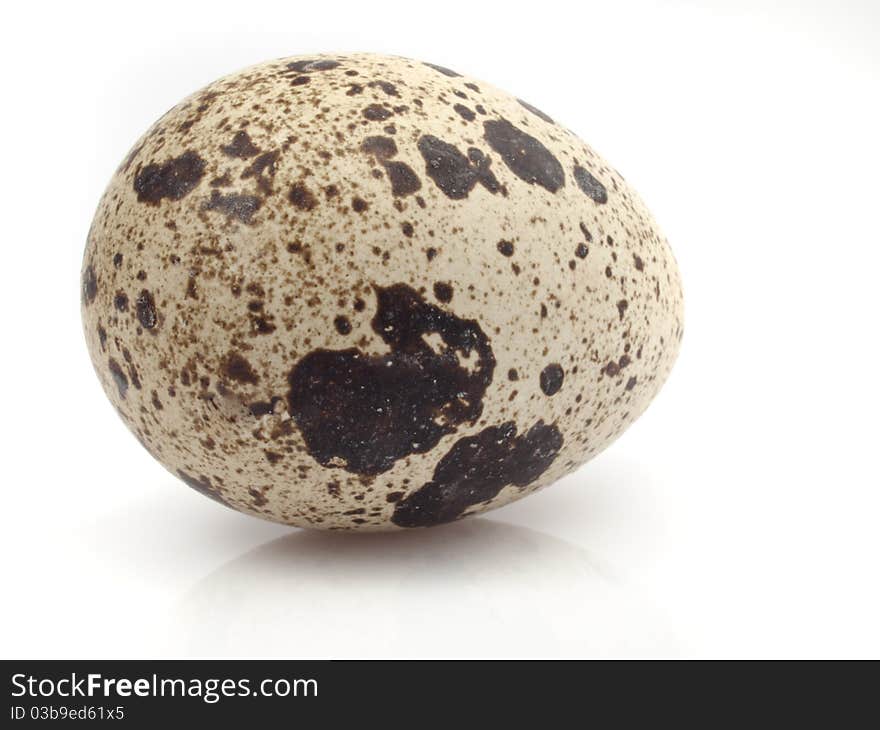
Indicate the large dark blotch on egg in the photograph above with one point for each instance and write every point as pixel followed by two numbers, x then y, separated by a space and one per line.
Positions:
pixel 404 180
pixel 363 412
pixel 241 146
pixel 453 172
pixel 173 179
pixel 476 469
pixel 238 206
pixel 589 185
pixel 526 157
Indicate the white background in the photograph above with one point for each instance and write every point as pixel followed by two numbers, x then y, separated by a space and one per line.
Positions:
pixel 740 517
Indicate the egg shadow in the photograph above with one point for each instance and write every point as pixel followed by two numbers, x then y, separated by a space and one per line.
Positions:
pixel 477 588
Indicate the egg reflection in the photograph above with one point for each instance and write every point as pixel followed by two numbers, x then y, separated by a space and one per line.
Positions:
pixel 472 589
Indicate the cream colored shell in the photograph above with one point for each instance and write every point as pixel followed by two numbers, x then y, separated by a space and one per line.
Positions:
pixel 254 229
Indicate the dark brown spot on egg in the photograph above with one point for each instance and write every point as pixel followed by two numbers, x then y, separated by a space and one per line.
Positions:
pixel 236 367
pixel 265 163
pixel 302 197
pixel 526 157
pixel 537 112
pixel 272 457
pixel 442 69
pixel 261 325
pixel 476 469
pixel 89 285
pixel 612 368
pixel 385 86
pixel 443 292
pixel 380 147
pixel 505 248
pixel 173 179
pixel 240 207
pixel 404 180
pixel 241 146
pixel 377 113
pixel 363 412
pixel 119 377
pixel 551 379
pixel 452 172
pixel 132 370
pixel 464 112
pixel 145 306
pixel 342 324
pixel 120 301
pixel 589 185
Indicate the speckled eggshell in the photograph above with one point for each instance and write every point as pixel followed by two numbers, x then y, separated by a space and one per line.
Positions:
pixel 366 292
